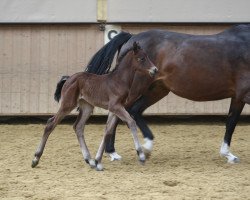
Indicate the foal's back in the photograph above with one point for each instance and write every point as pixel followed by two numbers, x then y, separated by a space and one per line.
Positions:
pixel 91 88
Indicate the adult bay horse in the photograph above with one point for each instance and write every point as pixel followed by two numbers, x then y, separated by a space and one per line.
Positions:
pixel 114 91
pixel 199 68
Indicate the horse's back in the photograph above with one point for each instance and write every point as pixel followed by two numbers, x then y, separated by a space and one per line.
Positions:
pixel 199 67
pixel 154 39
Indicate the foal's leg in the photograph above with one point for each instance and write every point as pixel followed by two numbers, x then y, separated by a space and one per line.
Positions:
pixel 85 111
pixel 124 116
pixel 233 117
pixel 136 112
pixel 51 124
pixel 112 119
pixel 156 92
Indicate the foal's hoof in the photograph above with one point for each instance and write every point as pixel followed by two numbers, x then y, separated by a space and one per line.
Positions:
pixel 142 162
pixel 92 163
pixel 99 167
pixel 35 162
pixel 142 158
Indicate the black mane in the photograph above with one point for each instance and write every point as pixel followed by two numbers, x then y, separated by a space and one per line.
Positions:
pixel 101 62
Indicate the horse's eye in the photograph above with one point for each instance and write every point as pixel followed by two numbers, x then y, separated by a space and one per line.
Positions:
pixel 140 59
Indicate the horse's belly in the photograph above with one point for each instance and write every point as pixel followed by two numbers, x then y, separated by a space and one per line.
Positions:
pixel 206 89
pixel 203 96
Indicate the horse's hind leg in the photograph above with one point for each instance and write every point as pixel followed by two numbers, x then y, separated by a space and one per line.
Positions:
pixel 233 117
pixel 85 111
pixel 111 124
pixel 51 124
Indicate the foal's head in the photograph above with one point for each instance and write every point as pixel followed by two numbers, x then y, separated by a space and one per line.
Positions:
pixel 137 61
pixel 141 62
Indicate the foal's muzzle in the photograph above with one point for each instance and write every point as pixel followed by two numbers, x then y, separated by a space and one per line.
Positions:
pixel 153 70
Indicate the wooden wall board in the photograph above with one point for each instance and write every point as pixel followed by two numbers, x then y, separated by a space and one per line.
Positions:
pixel 34 57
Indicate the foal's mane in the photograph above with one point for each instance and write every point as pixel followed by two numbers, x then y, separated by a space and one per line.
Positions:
pixel 120 57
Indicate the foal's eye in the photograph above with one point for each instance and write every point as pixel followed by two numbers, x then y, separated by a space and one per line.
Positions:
pixel 140 59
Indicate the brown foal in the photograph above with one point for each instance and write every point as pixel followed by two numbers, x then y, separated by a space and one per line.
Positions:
pixel 114 91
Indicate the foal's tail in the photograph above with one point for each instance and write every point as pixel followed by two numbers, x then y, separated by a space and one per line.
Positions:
pixel 101 62
pixel 57 95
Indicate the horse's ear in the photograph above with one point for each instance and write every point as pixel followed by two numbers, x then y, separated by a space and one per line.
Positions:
pixel 136 47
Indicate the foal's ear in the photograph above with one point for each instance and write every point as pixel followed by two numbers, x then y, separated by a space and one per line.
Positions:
pixel 136 47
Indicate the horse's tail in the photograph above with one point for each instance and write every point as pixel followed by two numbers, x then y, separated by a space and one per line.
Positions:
pixel 57 95
pixel 101 62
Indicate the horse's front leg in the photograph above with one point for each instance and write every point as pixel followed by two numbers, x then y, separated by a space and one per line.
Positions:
pixel 85 111
pixel 233 117
pixel 120 112
pixel 110 126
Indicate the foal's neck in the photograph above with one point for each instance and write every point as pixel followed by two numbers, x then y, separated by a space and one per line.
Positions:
pixel 123 74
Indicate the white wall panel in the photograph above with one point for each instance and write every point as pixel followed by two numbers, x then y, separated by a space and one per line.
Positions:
pixel 178 11
pixel 46 11
pixel 34 57
pixel 82 11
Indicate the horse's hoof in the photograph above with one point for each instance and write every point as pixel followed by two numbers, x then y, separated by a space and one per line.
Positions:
pixel 92 163
pixel 234 160
pixel 148 144
pixel 99 167
pixel 114 156
pixel 147 147
pixel 35 162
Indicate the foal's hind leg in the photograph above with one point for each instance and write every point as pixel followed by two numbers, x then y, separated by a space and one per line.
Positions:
pixel 85 111
pixel 233 117
pixel 51 124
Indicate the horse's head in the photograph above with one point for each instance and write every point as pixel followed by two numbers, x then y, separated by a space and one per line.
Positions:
pixel 141 61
